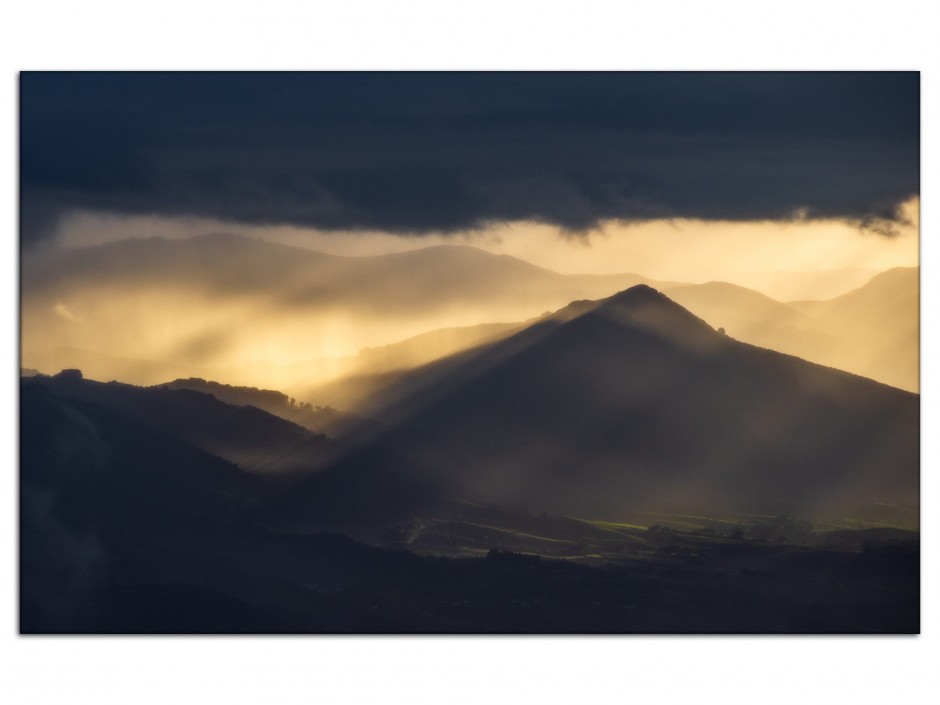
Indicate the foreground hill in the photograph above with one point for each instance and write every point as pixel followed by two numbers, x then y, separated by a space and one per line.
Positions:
pixel 253 439
pixel 633 405
pixel 319 419
pixel 124 529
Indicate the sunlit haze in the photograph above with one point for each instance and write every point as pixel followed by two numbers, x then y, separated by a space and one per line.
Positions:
pixel 270 321
pixel 680 250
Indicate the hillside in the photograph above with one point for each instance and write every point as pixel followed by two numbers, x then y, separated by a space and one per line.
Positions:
pixel 871 331
pixel 877 328
pixel 751 317
pixel 635 405
pixel 815 285
pixel 245 435
pixel 319 419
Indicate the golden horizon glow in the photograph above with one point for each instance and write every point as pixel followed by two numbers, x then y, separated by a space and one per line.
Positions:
pixel 253 338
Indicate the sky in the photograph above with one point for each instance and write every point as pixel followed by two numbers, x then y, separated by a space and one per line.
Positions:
pixel 444 154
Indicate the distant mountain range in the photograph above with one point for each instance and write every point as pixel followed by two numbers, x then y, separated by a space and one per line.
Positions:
pixel 301 298
pixel 872 331
pixel 791 286
pixel 877 328
pixel 235 265
pixel 220 301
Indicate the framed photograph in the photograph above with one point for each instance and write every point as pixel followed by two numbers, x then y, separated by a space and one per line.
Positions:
pixel 538 352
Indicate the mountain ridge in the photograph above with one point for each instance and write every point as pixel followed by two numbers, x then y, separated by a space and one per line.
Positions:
pixel 603 415
pixel 244 435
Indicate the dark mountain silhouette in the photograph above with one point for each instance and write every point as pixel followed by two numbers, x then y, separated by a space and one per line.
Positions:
pixel 254 439
pixel 319 419
pixel 632 404
pixel 101 496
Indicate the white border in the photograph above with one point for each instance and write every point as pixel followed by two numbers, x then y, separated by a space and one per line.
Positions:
pixel 176 34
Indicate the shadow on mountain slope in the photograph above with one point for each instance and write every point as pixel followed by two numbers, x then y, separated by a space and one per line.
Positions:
pixel 628 405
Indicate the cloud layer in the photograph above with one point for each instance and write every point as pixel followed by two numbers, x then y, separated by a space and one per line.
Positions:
pixel 443 152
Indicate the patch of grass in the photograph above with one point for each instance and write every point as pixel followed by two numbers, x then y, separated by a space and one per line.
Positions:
pixel 613 525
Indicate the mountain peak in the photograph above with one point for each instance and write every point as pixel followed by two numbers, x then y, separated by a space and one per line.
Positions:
pixel 636 294
pixel 651 311
pixel 643 297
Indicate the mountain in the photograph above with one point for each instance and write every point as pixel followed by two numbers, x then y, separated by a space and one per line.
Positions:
pixel 113 512
pixel 877 328
pixel 319 419
pixel 224 301
pixel 422 349
pixel 347 381
pixel 819 285
pixel 625 406
pixel 871 331
pixel 368 376
pixel 244 435
pixel 371 393
pixel 754 318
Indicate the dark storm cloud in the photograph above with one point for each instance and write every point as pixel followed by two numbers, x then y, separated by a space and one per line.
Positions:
pixel 413 153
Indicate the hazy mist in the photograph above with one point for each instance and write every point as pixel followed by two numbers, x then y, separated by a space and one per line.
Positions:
pixel 247 311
